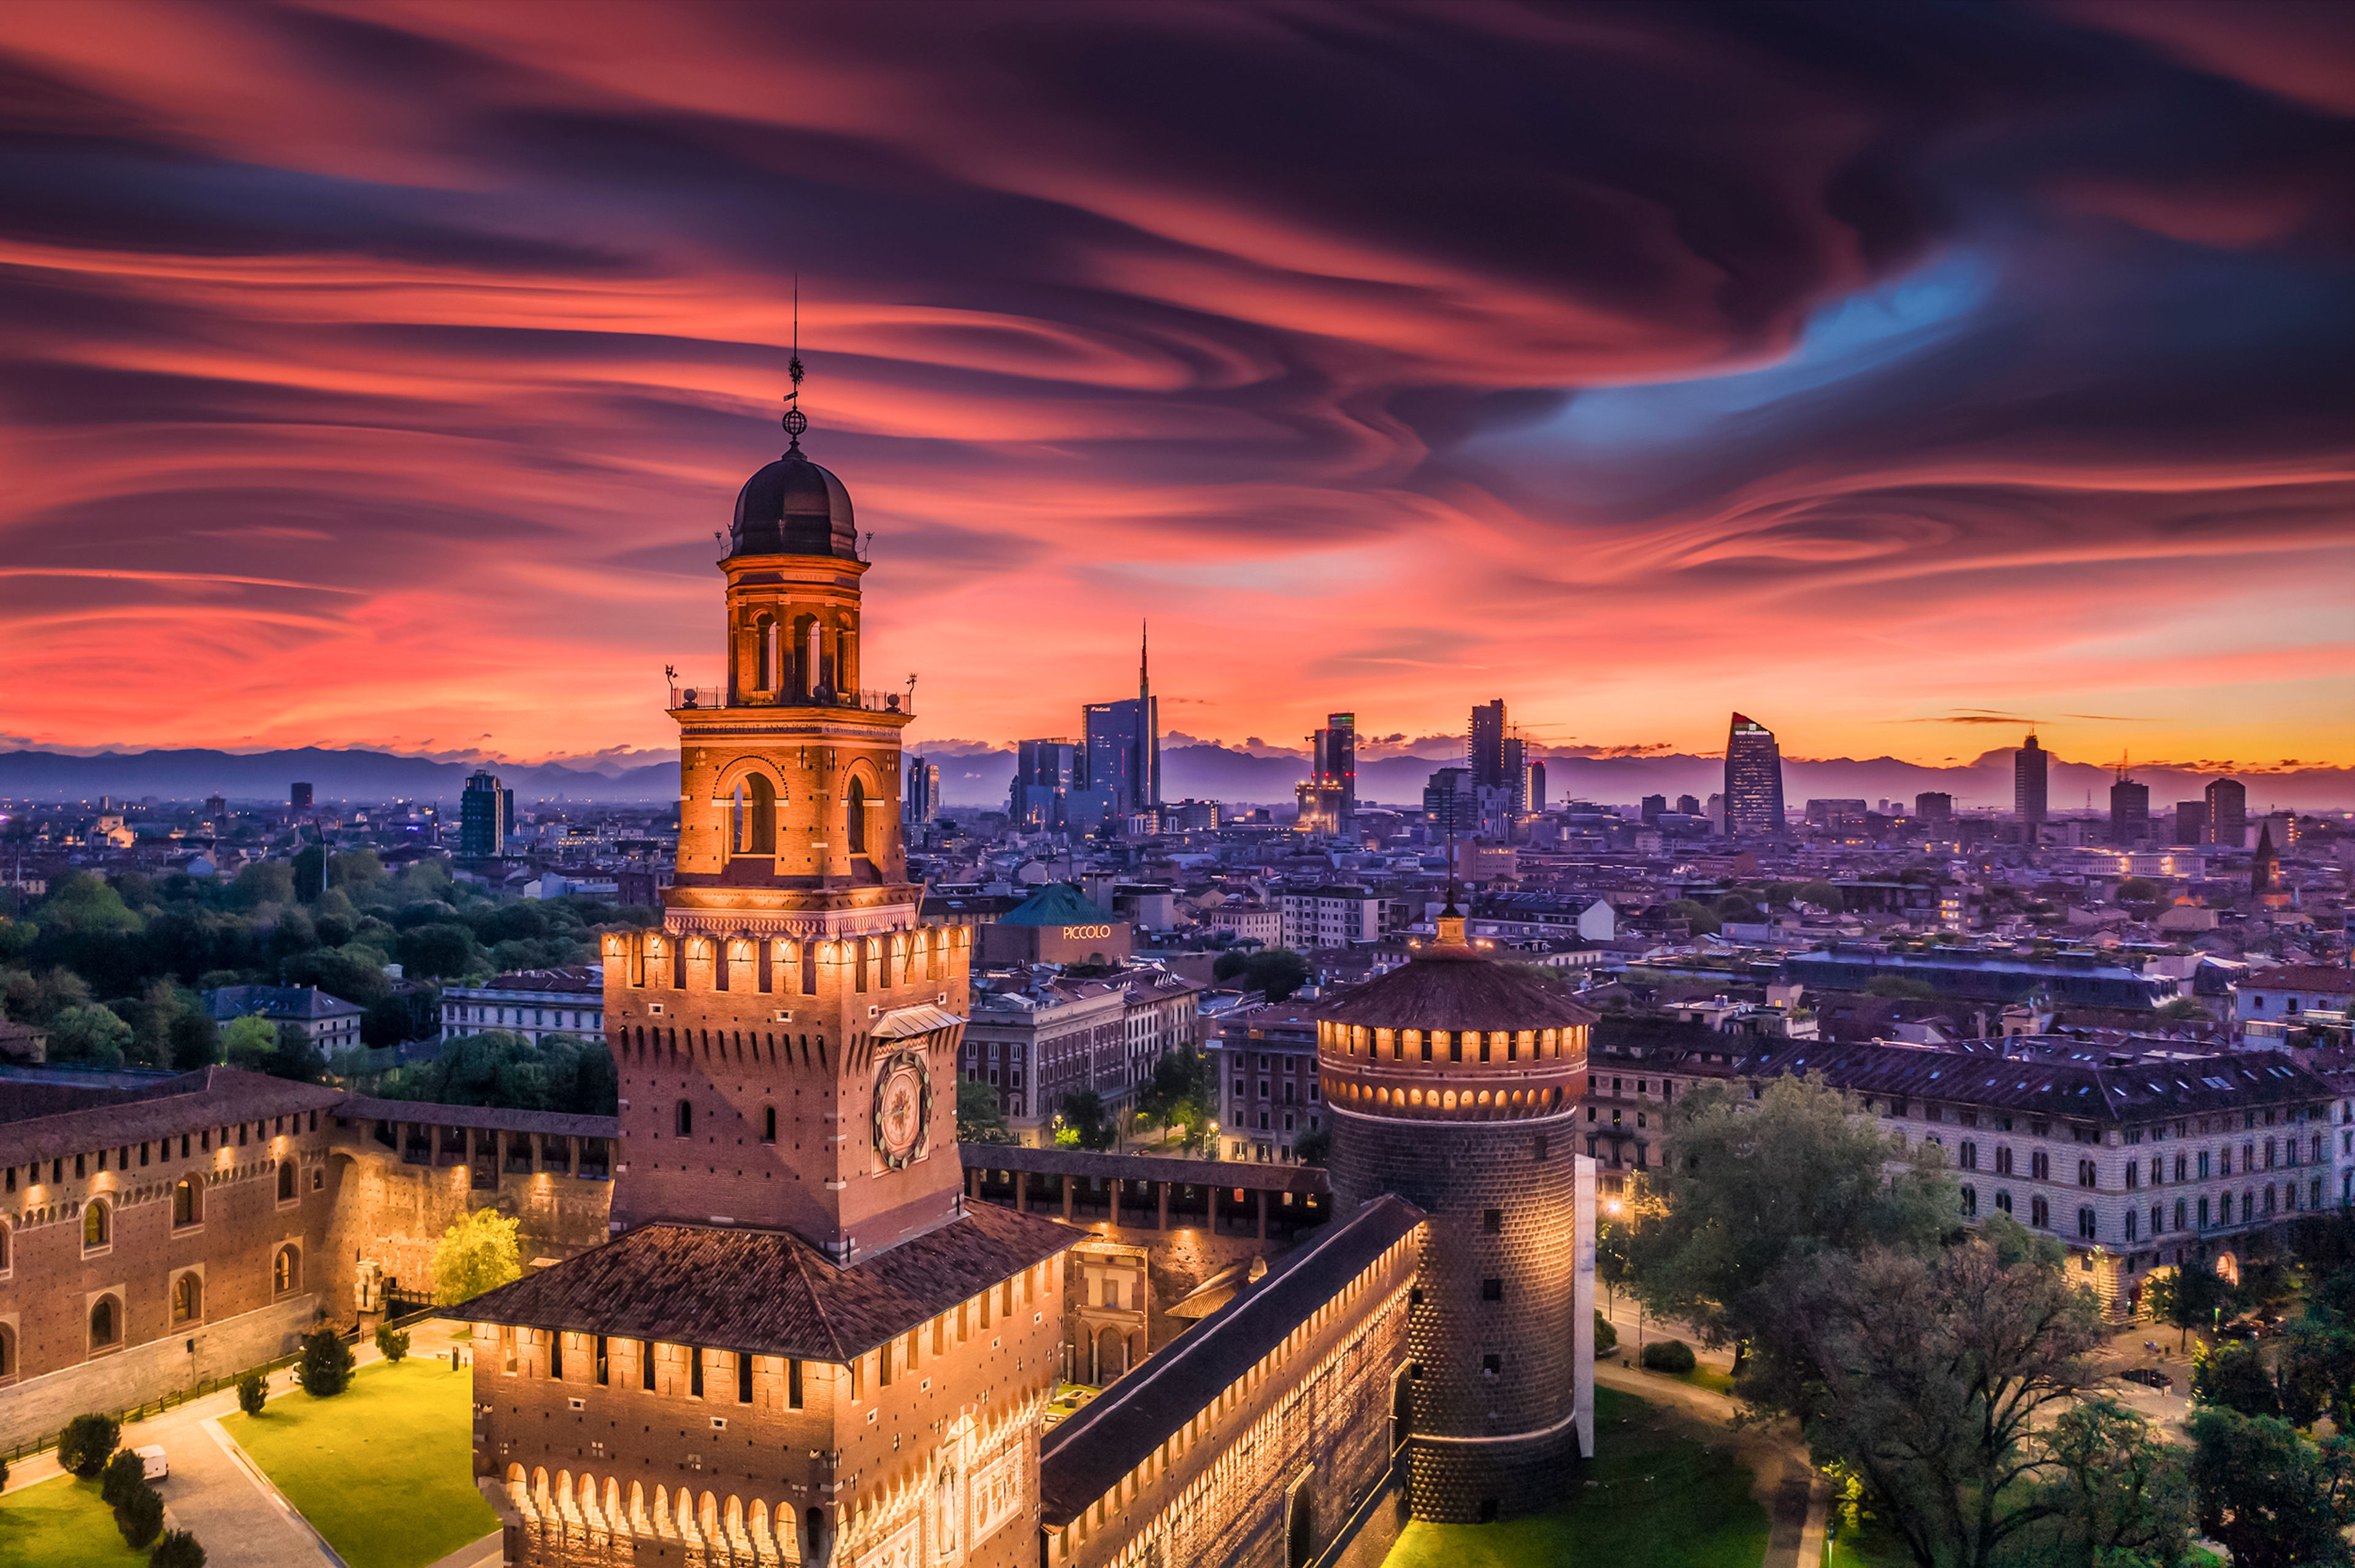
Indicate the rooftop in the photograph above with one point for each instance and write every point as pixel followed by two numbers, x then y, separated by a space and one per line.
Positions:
pixel 768 1293
pixel 34 1124
pixel 1448 987
pixel 278 1002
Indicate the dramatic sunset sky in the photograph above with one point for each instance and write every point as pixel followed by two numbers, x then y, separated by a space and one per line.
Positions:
pixel 377 375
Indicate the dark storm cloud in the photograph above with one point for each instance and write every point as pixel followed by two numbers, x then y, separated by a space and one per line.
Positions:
pixel 1637 326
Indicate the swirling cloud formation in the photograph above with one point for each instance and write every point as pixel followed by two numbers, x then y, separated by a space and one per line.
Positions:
pixel 377 373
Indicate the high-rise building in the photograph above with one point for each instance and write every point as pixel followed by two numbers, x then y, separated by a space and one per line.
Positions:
pixel 2027 780
pixel 1687 805
pixel 485 815
pixel 792 1257
pixel 1753 780
pixel 1448 799
pixel 298 796
pixel 216 809
pixel 2190 821
pixel 1653 805
pixel 1047 772
pixel 921 800
pixel 1123 747
pixel 1485 749
pixel 2228 814
pixel 1933 806
pixel 1333 759
pixel 2129 811
pixel 1533 788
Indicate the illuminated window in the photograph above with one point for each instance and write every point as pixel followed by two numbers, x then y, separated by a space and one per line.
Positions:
pixel 188 1202
pixel 95 1229
pixel 286 1271
pixel 187 1298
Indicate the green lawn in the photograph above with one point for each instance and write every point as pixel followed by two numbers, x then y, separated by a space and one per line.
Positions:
pixel 1658 1500
pixel 1875 1546
pixel 61 1524
pixel 383 1469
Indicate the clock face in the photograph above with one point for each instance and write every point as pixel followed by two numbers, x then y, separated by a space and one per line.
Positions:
pixel 903 1104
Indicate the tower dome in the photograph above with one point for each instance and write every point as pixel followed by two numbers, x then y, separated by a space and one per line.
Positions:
pixel 793 507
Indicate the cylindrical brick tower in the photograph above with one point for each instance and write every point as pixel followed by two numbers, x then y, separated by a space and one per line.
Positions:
pixel 1452 1081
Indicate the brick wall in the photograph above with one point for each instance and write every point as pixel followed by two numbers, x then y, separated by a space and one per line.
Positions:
pixel 1458 1173
pixel 40 1407
pixel 394 1215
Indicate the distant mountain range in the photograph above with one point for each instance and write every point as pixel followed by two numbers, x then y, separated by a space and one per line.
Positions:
pixel 1204 772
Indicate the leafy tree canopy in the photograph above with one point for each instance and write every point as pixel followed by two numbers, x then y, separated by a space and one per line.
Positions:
pixel 979 1118
pixel 502 1069
pixel 476 1254
pixel 1275 971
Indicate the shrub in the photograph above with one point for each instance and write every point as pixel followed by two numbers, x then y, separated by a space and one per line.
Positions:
pixel 252 1393
pixel 1607 1337
pixel 177 1549
pixel 327 1365
pixel 124 1474
pixel 87 1443
pixel 1669 1356
pixel 393 1342
pixel 3 1472
pixel 140 1516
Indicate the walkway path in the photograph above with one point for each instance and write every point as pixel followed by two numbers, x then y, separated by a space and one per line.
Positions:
pixel 213 1491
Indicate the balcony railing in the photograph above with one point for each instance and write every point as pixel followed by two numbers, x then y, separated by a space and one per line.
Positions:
pixel 716 697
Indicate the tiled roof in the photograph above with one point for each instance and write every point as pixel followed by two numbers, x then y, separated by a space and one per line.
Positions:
pixel 1456 988
pixel 278 1002
pixel 768 1293
pixel 570 979
pixel 208 1097
pixel 2301 978
pixel 1057 904
pixel 1081 1459
pixel 555 1124
pixel 2129 1091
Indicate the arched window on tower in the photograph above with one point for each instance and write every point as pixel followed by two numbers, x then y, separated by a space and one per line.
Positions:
pixel 855 802
pixel 755 816
pixel 764 653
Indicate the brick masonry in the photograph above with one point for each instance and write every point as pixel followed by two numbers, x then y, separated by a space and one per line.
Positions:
pixel 1481 1368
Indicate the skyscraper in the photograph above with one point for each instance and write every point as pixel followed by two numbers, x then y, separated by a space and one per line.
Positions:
pixel 2190 821
pixel 1449 801
pixel 1687 805
pixel 298 795
pixel 485 815
pixel 2028 783
pixel 1485 752
pixel 2228 814
pixel 1653 804
pixel 1333 758
pixel 1753 780
pixel 920 802
pixel 2129 811
pixel 1123 746
pixel 1533 787
pixel 1934 805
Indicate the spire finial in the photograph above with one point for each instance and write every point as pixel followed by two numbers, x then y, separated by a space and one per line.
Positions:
pixel 795 421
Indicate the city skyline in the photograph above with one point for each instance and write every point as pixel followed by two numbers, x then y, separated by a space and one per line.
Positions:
pixel 375 405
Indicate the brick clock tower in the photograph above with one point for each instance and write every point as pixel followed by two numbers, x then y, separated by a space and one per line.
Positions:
pixel 801 1346
pixel 1453 1081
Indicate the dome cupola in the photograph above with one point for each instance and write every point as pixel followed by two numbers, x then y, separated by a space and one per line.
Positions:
pixel 793 507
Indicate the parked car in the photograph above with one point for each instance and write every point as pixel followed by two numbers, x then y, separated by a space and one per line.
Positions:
pixel 2149 1377
pixel 151 1459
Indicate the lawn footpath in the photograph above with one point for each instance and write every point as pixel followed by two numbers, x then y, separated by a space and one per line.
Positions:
pixel 384 1470
pixel 61 1524
pixel 1656 1497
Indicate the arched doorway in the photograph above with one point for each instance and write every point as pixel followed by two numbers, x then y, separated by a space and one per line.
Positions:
pixel 1112 1354
pixel 1402 1409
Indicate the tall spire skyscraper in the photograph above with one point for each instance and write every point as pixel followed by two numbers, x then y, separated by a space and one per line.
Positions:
pixel 1123 745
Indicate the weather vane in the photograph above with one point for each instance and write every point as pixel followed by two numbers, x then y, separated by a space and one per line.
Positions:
pixel 795 421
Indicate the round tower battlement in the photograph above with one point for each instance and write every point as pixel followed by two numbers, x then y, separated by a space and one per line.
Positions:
pixel 1454 1081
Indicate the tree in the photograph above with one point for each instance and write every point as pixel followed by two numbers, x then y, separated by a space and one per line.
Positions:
pixel 2187 1297
pixel 1607 1337
pixel 326 1368
pixel 194 1041
pixel 2182 1011
pixel 1181 1092
pixel 1313 1149
pixel 2139 890
pixel 249 1042
pixel 2120 1495
pixel 441 950
pixel 140 1516
pixel 1734 907
pixel 177 1549
pixel 295 1056
pixel 124 1474
pixel 1698 917
pixel 1900 988
pixel 1824 896
pixel 252 1393
pixel 1083 1116
pixel 87 1443
pixel 1275 971
pixel 1935 1376
pixel 1754 1183
pixel 502 1069
pixel 2315 1370
pixel 979 1118
pixel 475 1254
pixel 90 1033
pixel 392 1343
pixel 2271 1498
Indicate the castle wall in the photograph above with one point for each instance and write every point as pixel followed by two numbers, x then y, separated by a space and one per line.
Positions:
pixel 393 1215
